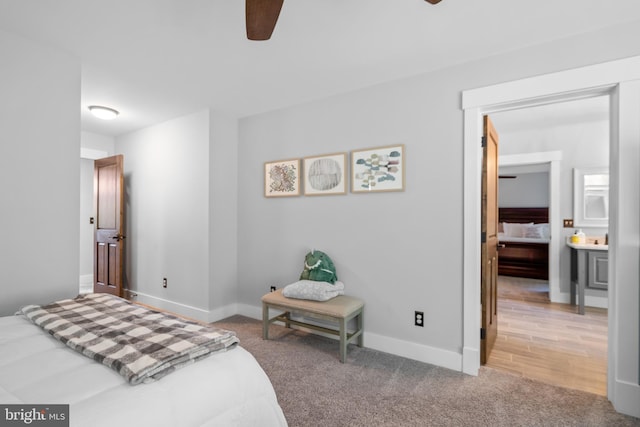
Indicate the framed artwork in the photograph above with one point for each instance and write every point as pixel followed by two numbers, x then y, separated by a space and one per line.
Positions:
pixel 377 169
pixel 282 178
pixel 326 174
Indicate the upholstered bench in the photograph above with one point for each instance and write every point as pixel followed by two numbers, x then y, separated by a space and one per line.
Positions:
pixel 340 309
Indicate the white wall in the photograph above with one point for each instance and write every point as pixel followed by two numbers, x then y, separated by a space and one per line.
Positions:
pixel 167 211
pixel 400 252
pixel 528 190
pixel 582 145
pixel 181 210
pixel 39 173
pixel 223 216
pixel 96 144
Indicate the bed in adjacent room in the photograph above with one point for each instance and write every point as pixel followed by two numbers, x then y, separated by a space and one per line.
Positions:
pixel 524 242
pixel 184 373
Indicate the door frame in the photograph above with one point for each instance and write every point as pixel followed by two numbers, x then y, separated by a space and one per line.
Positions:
pixel 621 80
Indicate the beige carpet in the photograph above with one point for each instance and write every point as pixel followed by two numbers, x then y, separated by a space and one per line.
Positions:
pixel 379 389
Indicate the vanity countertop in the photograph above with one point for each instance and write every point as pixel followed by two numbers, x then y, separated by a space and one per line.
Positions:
pixel 590 245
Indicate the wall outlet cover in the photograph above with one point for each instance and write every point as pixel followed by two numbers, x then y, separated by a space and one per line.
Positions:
pixel 419 318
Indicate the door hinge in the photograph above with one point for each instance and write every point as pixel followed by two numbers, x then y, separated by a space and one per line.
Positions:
pixel 483 333
pixel 483 142
pixel 483 237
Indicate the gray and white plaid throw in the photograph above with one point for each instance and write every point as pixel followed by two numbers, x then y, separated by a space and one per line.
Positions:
pixel 143 345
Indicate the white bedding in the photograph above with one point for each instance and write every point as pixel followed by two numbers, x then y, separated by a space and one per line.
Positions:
pixel 502 237
pixel 226 389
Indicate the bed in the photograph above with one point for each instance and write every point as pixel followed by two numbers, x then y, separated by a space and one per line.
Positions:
pixel 523 235
pixel 225 388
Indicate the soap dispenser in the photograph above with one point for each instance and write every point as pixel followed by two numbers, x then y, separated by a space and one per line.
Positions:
pixel 582 239
pixel 578 237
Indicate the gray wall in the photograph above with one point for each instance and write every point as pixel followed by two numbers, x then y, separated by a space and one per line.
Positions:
pixel 528 190
pixel 167 216
pixel 223 215
pixel 181 210
pixel 400 252
pixel 39 173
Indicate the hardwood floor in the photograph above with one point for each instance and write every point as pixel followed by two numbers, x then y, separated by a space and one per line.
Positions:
pixel 549 342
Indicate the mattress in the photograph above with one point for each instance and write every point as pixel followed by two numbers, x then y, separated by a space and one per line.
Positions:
pixel 504 238
pixel 225 389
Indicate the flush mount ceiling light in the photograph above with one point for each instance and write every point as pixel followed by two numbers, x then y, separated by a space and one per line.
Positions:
pixel 104 113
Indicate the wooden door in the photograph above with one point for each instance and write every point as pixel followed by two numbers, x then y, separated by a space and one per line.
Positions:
pixel 108 206
pixel 489 251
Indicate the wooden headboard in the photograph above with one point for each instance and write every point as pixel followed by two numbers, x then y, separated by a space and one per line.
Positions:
pixel 523 215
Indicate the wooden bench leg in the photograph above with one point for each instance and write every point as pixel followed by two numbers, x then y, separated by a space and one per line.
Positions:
pixel 360 323
pixel 343 340
pixel 287 315
pixel 265 321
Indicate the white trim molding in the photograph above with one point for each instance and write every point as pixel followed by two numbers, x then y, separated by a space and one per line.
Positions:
pixel 182 309
pixel 91 154
pixel 410 350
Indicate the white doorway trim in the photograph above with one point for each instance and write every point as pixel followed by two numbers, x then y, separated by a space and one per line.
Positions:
pixel 553 158
pixel 621 80
pixel 91 154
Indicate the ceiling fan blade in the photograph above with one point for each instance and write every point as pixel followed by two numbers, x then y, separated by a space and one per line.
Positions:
pixel 262 16
pixel 434 1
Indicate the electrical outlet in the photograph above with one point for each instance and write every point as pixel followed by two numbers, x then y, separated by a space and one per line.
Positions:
pixel 568 223
pixel 419 318
pixel 272 289
pixel 164 282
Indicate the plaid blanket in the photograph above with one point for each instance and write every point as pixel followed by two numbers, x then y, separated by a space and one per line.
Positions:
pixel 142 345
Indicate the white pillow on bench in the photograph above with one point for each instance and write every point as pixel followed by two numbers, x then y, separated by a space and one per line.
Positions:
pixel 312 290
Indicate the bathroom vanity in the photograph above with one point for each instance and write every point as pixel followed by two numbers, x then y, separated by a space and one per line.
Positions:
pixel 589 269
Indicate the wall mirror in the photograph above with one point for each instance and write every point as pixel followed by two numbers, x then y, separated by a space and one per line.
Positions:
pixel 591 197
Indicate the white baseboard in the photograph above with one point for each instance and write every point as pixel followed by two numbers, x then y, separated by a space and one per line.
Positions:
pixel 470 361
pixel 250 311
pixel 86 283
pixel 414 351
pixel 223 312
pixel 626 398
pixel 174 307
pixel 589 300
pixel 419 352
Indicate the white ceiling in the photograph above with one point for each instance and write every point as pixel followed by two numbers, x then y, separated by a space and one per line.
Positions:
pixel 158 59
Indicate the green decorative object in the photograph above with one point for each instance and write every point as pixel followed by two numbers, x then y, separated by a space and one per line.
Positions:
pixel 318 267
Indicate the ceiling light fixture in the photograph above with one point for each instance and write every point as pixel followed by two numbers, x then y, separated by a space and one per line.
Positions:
pixel 104 113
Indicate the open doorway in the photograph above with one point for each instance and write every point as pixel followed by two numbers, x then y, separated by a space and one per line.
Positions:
pixel 87 161
pixel 620 79
pixel 538 334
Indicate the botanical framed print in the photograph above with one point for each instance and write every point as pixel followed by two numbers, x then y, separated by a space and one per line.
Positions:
pixel 325 175
pixel 377 169
pixel 282 178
